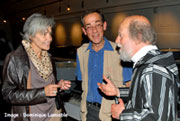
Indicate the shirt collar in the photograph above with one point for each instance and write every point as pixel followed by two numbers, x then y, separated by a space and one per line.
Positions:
pixel 142 52
pixel 107 45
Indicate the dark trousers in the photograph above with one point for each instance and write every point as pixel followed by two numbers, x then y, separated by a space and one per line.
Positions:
pixel 92 113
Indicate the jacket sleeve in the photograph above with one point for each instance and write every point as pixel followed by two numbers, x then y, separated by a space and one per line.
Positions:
pixel 153 98
pixel 13 89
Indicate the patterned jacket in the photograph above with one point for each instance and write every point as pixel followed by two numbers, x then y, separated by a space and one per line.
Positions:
pixel 153 93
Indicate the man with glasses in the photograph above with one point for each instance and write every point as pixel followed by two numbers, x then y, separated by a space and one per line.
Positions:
pixel 95 59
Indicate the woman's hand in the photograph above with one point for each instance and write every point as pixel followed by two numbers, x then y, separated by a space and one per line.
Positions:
pixel 64 84
pixel 51 89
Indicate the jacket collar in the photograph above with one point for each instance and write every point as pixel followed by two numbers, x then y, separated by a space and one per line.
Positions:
pixel 107 45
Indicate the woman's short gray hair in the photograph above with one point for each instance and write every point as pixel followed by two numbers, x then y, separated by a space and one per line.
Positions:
pixel 145 30
pixel 36 23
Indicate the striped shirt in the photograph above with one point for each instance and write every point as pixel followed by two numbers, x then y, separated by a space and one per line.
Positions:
pixel 153 93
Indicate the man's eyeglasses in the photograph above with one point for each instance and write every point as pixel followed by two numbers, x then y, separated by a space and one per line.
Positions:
pixel 97 26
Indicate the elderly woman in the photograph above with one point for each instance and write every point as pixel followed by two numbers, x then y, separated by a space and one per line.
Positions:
pixel 30 76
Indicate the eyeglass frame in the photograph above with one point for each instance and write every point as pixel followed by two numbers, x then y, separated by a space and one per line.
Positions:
pixel 97 26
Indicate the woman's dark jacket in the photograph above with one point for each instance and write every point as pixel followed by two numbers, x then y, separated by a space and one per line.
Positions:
pixel 14 89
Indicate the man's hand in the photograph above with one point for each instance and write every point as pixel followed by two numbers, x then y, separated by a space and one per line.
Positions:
pixel 116 109
pixel 128 84
pixel 109 89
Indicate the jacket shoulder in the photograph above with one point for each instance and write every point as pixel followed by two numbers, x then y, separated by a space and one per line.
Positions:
pixel 18 57
pixel 83 47
pixel 20 50
pixel 113 44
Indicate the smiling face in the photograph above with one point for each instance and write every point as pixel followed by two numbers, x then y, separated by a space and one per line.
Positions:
pixel 41 40
pixel 94 27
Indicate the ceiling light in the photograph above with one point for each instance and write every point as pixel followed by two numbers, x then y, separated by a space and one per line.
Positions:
pixel 4 21
pixel 68 8
pixel 23 18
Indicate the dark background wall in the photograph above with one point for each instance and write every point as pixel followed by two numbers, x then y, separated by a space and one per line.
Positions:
pixel 164 15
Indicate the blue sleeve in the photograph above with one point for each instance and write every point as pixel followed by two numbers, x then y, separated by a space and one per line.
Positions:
pixel 127 73
pixel 78 70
